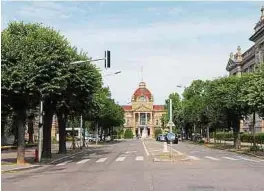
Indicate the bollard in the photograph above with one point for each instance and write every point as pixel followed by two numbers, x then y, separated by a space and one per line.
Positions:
pixel 165 147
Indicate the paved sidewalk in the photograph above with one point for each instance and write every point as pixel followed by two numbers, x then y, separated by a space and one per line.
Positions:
pixel 8 157
pixel 158 153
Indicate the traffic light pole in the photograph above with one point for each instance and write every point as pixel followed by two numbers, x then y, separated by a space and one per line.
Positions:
pixel 171 126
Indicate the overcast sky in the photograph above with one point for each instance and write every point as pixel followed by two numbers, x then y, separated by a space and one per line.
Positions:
pixel 174 42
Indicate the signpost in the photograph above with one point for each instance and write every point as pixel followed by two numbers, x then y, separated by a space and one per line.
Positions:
pixel 170 124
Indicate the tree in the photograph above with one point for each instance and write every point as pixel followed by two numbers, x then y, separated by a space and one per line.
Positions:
pixel 33 57
pixel 83 82
pixel 224 96
pixel 253 91
pixel 194 105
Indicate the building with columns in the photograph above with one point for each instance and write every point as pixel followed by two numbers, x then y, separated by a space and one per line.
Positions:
pixel 249 61
pixel 142 116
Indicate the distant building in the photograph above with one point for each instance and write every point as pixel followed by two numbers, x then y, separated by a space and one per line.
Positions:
pixel 248 61
pixel 142 115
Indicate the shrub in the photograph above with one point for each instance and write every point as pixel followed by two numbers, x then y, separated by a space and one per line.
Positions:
pixel 157 132
pixel 128 134
pixel 244 137
pixel 54 140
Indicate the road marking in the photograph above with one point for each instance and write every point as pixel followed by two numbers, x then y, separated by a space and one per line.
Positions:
pixel 101 160
pixel 139 158
pixel 83 161
pixel 145 148
pixel 130 152
pixel 247 159
pixel 230 158
pixel 68 156
pixel 193 158
pixel 64 163
pixel 212 158
pixel 120 159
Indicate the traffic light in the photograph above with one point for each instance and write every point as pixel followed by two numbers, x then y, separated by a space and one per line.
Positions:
pixel 107 59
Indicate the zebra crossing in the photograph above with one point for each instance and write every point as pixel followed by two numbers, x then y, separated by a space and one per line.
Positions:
pixel 100 160
pixel 224 158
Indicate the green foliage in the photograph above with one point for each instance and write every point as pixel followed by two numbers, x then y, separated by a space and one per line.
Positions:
pixel 128 134
pixel 253 91
pixel 244 137
pixel 157 132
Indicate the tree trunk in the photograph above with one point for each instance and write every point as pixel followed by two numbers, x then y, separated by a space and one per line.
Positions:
pixel 101 133
pixel 207 134
pixel 254 129
pixel 3 134
pixel 20 121
pixel 46 153
pixel 236 132
pixel 30 130
pixel 62 133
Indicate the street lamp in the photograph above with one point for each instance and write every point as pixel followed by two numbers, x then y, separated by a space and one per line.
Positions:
pixel 118 72
pixel 180 86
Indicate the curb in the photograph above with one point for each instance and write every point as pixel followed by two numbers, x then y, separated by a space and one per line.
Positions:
pixel 249 154
pixel 6 148
pixel 21 169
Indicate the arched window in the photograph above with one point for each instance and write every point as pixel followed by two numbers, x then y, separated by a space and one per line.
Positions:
pixel 142 98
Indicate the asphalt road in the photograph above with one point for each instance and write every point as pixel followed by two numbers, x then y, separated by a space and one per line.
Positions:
pixel 125 167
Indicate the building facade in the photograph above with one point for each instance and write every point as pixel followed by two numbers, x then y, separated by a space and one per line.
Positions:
pixel 249 61
pixel 142 116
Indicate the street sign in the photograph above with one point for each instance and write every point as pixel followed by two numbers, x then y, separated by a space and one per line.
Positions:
pixel 171 136
pixel 170 124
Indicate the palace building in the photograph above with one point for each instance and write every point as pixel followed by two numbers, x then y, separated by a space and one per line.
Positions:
pixel 249 61
pixel 142 116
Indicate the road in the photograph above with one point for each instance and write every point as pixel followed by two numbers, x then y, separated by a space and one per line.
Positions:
pixel 126 167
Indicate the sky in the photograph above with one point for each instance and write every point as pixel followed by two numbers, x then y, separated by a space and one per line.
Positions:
pixel 173 43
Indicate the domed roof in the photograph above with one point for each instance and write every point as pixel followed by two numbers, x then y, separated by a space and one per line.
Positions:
pixel 142 91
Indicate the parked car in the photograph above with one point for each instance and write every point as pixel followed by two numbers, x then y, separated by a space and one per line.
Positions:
pixel 161 138
pixel 175 141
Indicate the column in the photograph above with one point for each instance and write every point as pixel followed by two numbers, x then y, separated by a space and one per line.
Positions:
pixel 138 122
pixel 134 122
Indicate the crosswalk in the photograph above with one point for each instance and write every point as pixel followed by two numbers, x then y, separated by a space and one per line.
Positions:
pixel 223 158
pixel 99 160
pixel 122 158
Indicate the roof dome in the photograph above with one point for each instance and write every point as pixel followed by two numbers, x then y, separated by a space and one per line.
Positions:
pixel 142 91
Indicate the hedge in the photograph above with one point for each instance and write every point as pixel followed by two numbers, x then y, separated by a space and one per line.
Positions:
pixel 128 134
pixel 157 132
pixel 244 137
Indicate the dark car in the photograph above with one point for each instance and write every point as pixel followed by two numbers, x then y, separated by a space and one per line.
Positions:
pixel 175 141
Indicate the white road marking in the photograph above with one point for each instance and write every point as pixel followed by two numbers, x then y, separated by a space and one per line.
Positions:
pixel 248 159
pixel 193 158
pixel 145 148
pixel 120 158
pixel 230 158
pixel 101 160
pixel 212 158
pixel 64 163
pixel 130 152
pixel 139 158
pixel 83 161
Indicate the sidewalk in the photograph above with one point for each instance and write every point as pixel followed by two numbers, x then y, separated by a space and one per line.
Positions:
pixel 8 157
pixel 158 153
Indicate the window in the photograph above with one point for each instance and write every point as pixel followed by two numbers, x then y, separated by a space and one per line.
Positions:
pixel 157 122
pixel 142 98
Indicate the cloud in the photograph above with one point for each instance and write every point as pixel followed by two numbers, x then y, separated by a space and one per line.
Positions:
pixel 47 10
pixel 172 51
